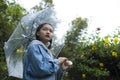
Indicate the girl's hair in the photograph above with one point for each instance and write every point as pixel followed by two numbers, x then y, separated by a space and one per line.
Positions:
pixel 37 37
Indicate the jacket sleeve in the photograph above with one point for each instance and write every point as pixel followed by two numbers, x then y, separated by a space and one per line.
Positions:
pixel 60 74
pixel 41 63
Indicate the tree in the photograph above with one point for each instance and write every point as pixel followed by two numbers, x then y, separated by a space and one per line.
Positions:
pixel 10 14
pixel 71 49
pixel 72 38
pixel 43 4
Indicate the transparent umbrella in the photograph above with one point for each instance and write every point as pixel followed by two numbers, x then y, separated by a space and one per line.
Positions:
pixel 16 45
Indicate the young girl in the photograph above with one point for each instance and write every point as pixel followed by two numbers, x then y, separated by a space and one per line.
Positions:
pixel 39 63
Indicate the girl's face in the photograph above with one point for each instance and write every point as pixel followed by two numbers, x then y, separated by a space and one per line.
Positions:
pixel 45 33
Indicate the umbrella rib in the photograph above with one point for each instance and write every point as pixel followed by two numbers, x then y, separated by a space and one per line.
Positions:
pixel 33 25
pixel 59 51
pixel 22 27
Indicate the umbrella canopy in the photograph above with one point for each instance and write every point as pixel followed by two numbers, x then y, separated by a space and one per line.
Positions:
pixel 24 33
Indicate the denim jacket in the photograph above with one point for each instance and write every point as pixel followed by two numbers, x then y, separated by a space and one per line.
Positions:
pixel 39 63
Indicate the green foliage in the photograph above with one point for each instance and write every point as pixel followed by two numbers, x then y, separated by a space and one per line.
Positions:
pixel 43 4
pixel 94 57
pixel 72 38
pixel 10 15
pixel 48 3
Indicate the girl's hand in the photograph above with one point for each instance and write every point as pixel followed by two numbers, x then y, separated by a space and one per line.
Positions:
pixel 62 59
pixel 66 64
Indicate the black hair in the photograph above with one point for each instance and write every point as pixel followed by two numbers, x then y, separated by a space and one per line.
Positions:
pixel 37 37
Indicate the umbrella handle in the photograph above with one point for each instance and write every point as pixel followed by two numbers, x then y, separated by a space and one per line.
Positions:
pixel 59 51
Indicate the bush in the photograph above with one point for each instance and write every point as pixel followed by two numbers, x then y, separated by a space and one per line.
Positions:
pixel 96 57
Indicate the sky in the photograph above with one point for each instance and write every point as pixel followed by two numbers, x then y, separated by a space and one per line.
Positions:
pixel 104 14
